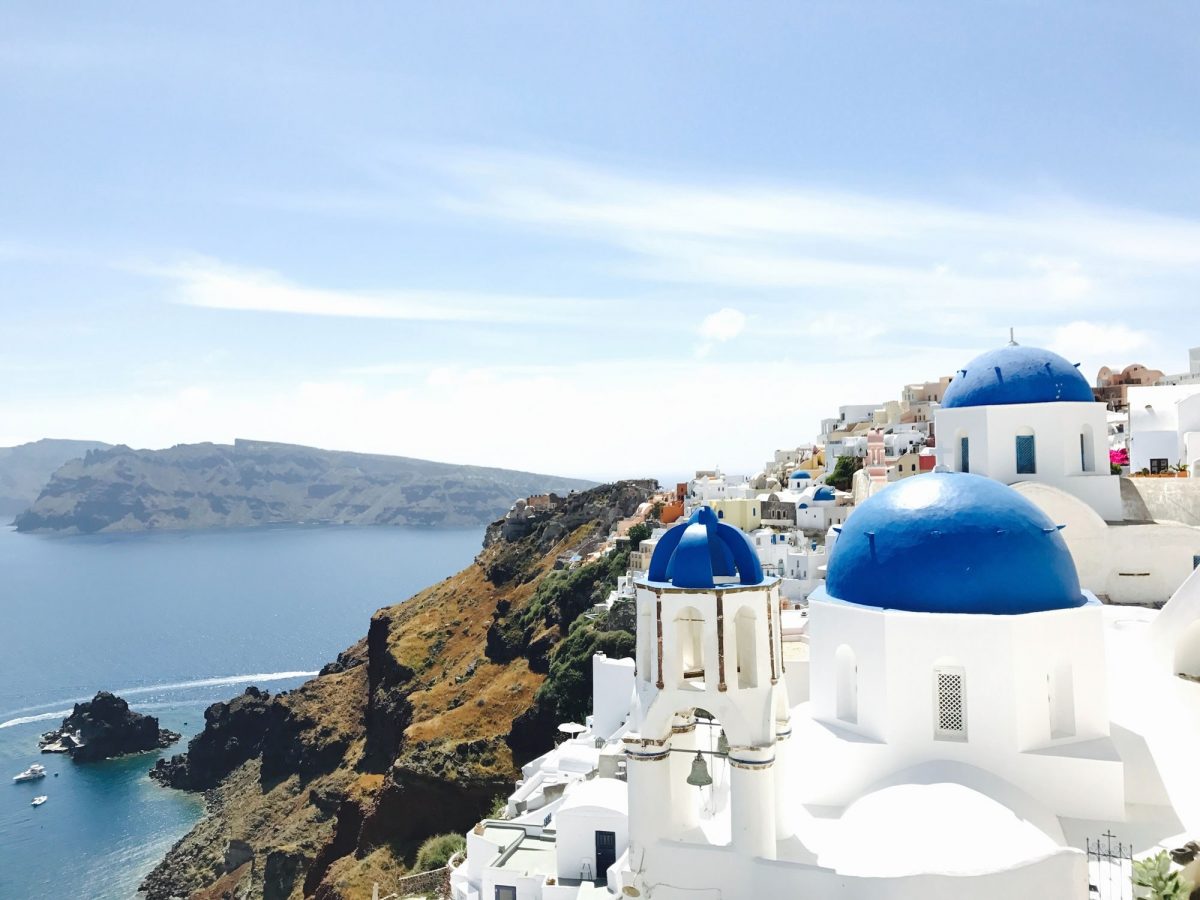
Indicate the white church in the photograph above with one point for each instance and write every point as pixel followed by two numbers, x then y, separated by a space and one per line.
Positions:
pixel 962 719
pixel 958 716
pixel 1026 417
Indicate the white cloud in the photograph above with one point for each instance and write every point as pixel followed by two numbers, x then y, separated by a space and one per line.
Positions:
pixel 884 254
pixel 1092 340
pixel 214 285
pixel 716 328
pixel 723 325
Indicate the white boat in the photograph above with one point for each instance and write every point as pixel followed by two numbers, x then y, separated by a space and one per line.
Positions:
pixel 38 801
pixel 33 773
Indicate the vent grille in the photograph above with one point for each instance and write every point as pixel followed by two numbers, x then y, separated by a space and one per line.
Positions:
pixel 951 704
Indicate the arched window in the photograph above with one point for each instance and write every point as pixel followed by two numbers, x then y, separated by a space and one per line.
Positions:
pixel 689 638
pixel 1087 450
pixel 846 667
pixel 1061 683
pixel 949 703
pixel 746 642
pixel 645 630
pixel 1026 451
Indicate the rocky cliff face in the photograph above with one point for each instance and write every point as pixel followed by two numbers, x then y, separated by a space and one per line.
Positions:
pixel 25 469
pixel 105 727
pixel 321 791
pixel 260 483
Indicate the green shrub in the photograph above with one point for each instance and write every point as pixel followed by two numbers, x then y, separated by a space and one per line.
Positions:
pixel 566 694
pixel 843 471
pixel 639 532
pixel 436 851
pixel 1154 873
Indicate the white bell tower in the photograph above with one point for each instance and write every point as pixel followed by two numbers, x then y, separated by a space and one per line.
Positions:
pixel 710 690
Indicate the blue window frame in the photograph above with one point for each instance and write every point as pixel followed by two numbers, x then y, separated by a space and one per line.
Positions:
pixel 1026 455
pixel 964 454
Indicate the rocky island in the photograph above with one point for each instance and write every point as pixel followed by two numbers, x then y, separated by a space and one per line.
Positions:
pixel 105 727
pixel 415 730
pixel 263 483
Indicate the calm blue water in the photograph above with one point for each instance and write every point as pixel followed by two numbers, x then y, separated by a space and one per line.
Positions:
pixel 172 622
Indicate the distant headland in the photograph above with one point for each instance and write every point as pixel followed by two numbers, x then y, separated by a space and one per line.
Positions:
pixel 247 483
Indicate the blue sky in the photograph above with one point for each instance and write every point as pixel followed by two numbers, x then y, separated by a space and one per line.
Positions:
pixel 595 239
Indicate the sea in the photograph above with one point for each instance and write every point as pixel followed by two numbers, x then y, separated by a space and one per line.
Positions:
pixel 172 622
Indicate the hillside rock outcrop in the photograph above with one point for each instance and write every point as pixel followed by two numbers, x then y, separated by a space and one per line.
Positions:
pixel 328 788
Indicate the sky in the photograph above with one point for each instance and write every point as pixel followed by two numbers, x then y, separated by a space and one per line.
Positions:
pixel 596 239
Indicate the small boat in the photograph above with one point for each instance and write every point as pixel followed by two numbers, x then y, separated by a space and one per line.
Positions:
pixel 38 801
pixel 33 773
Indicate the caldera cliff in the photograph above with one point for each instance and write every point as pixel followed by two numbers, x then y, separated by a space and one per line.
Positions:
pixel 415 730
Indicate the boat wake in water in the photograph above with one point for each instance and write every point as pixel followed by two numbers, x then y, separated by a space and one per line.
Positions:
pixel 149 689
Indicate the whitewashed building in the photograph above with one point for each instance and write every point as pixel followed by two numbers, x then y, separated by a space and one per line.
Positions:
pixel 1164 428
pixel 1026 414
pixel 963 720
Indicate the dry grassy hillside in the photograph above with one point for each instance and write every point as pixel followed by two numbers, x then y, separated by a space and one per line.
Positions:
pixel 415 730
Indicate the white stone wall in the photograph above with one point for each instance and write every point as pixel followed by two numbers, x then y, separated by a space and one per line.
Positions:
pixel 1142 563
pixel 1056 427
pixel 612 691
pixel 575 839
pixel 1010 665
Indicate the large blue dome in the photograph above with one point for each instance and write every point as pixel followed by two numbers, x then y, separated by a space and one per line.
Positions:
pixel 695 553
pixel 952 543
pixel 1015 374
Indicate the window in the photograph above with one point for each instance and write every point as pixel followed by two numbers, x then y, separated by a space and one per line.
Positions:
pixel 1087 458
pixel 506 892
pixel 847 684
pixel 950 703
pixel 645 630
pixel 1061 684
pixel 689 636
pixel 747 649
pixel 1026 455
pixel 1158 466
pixel 964 455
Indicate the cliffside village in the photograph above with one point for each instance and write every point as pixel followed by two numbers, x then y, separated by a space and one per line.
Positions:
pixel 950 648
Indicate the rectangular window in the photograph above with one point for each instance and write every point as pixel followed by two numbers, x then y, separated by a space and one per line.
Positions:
pixel 950 703
pixel 506 892
pixel 1158 466
pixel 1083 466
pixel 964 455
pixel 1026 458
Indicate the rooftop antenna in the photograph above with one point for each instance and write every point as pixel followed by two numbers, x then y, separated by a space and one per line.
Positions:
pixel 1012 341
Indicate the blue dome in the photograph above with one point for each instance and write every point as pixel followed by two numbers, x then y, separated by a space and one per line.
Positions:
pixel 824 492
pixel 799 475
pixel 696 552
pixel 952 543
pixel 1016 374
